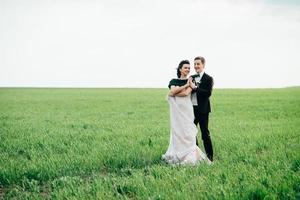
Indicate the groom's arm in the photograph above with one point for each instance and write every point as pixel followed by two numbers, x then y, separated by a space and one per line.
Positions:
pixel 208 90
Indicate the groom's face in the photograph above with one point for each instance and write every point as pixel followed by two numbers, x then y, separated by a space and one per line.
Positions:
pixel 199 67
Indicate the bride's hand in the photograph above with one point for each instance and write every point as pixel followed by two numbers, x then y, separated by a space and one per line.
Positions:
pixel 187 84
pixel 191 83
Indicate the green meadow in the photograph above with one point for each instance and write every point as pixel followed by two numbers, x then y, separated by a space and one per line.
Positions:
pixel 107 144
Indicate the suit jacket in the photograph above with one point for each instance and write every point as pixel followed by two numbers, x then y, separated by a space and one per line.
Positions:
pixel 203 92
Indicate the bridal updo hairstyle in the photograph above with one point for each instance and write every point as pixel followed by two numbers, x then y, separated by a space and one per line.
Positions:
pixel 180 66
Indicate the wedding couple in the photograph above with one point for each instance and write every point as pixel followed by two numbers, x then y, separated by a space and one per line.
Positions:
pixel 189 106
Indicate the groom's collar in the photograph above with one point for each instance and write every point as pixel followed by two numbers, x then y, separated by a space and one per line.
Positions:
pixel 201 73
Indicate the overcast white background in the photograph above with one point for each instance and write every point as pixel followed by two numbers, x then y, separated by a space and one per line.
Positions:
pixel 139 43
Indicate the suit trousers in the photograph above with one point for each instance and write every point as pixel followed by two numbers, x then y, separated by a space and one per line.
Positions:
pixel 202 119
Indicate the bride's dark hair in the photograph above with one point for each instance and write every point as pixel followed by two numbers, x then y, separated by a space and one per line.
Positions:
pixel 180 66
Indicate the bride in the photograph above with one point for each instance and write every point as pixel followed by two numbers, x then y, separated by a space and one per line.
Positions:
pixel 182 147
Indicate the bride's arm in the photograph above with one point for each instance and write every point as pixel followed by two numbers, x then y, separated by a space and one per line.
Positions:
pixel 184 92
pixel 175 89
pixel 188 90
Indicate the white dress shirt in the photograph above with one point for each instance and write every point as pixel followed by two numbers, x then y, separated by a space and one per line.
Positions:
pixel 194 95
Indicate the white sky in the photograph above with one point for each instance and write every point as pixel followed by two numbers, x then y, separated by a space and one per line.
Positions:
pixel 139 43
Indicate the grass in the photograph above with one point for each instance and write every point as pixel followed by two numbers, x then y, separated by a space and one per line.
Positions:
pixel 107 144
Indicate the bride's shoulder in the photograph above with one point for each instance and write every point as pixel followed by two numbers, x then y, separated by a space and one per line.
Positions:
pixel 174 80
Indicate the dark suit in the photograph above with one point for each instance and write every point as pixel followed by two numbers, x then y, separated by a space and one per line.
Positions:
pixel 202 110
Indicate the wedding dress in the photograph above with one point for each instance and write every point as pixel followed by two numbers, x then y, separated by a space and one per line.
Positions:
pixel 182 147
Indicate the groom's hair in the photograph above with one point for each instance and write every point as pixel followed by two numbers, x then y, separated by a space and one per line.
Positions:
pixel 180 66
pixel 200 58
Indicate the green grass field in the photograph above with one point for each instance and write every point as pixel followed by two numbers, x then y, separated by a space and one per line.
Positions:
pixel 107 144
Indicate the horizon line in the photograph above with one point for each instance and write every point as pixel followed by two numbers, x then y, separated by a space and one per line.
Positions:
pixel 73 87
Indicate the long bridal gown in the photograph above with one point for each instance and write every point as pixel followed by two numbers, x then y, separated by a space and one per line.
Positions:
pixel 182 147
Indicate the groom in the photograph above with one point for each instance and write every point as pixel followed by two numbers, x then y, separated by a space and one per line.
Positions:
pixel 200 98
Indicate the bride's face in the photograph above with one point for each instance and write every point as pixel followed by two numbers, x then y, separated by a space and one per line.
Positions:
pixel 185 70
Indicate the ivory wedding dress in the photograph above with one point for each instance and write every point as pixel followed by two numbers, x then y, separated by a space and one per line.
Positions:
pixel 182 147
